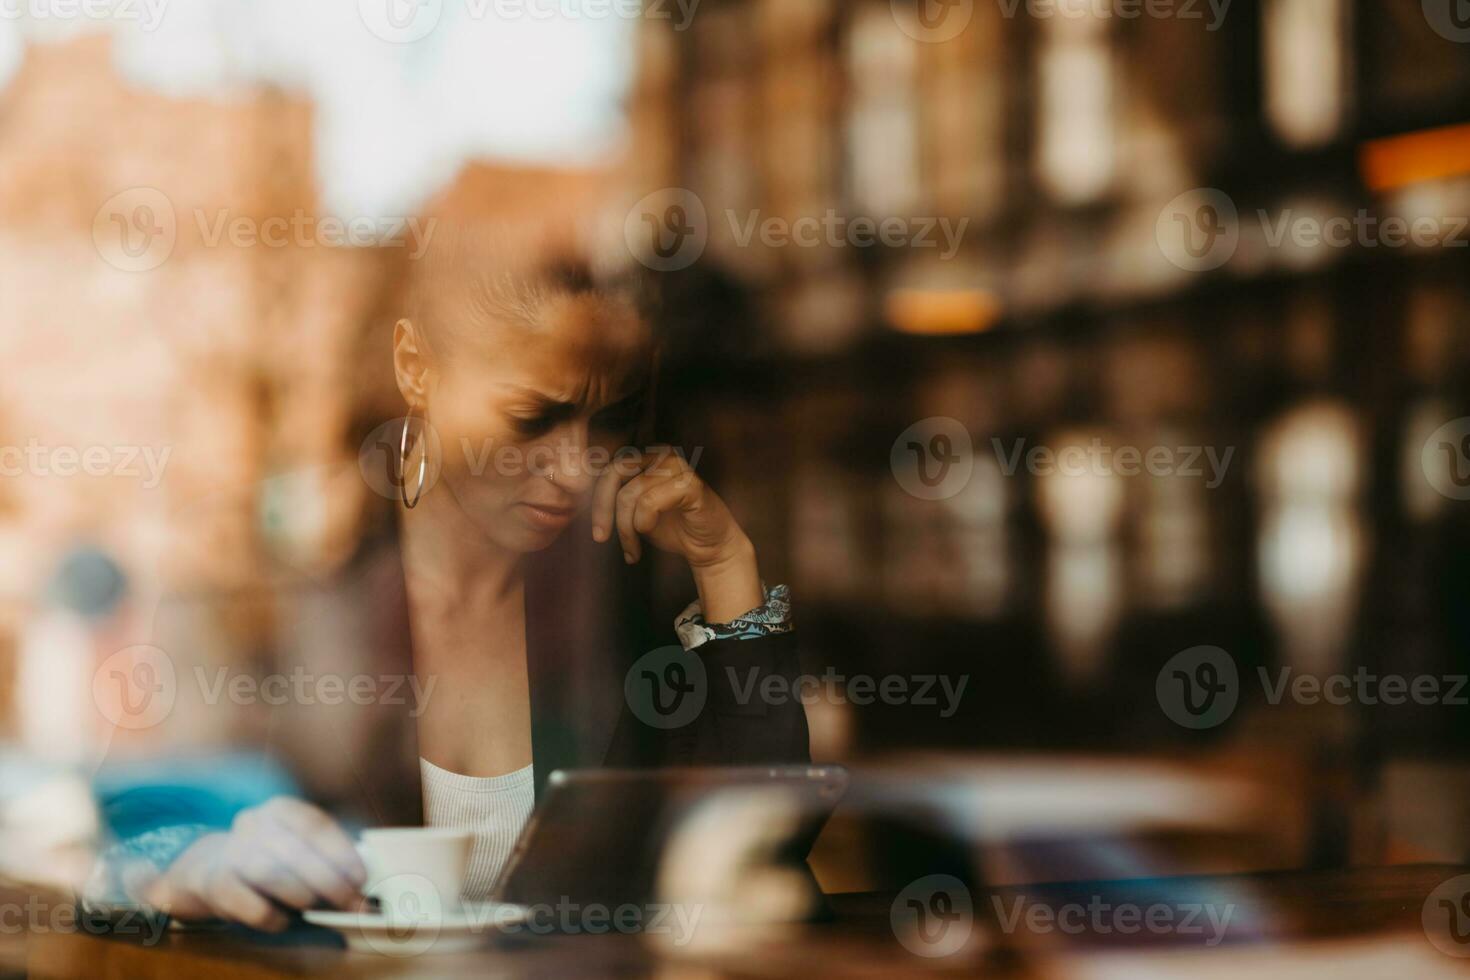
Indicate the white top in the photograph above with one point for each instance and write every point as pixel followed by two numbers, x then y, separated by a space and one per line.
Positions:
pixel 494 807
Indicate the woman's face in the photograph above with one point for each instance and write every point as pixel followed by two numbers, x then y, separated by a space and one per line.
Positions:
pixel 528 419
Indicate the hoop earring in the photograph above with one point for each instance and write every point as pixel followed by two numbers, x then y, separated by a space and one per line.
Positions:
pixel 403 463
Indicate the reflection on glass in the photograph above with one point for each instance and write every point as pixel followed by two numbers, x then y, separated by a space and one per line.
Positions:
pixel 1076 152
pixel 1307 70
pixel 1081 507
pixel 1173 539
pixel 883 116
pixel 1311 539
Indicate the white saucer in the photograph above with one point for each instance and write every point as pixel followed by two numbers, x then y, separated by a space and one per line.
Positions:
pixel 471 928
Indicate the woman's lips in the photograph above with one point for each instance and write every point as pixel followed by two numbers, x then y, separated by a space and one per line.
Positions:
pixel 547 517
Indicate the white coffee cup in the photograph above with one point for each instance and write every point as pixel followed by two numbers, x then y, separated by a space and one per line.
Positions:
pixel 415 873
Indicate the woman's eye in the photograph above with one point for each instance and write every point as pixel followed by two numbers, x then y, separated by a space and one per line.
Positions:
pixel 534 426
pixel 616 418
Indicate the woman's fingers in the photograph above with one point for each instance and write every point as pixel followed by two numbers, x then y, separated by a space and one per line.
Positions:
pixel 656 500
pixel 320 835
pixel 604 499
pixel 627 498
pixel 231 898
pixel 616 495
pixel 324 880
pixel 273 879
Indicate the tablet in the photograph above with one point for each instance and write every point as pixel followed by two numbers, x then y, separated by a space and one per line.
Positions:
pixel 597 835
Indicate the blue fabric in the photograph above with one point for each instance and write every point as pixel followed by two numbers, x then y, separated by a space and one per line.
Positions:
pixel 135 798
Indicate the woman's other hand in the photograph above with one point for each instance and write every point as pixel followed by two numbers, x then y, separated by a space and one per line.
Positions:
pixel 665 501
pixel 284 853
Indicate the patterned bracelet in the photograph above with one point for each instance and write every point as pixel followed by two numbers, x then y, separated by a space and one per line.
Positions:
pixel 771 617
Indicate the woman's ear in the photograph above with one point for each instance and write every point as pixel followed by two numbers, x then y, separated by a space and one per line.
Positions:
pixel 410 364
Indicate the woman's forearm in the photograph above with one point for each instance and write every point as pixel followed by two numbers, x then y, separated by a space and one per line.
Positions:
pixel 730 586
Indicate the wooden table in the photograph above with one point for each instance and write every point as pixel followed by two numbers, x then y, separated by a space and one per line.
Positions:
pixel 1361 922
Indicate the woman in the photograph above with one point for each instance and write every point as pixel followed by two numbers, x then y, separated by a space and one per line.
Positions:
pixel 524 382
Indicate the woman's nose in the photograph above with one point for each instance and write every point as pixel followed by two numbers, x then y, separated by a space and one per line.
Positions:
pixel 570 467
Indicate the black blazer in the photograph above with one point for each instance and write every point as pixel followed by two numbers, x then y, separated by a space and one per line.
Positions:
pixel 587 621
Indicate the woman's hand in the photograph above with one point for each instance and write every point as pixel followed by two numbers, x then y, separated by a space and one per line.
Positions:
pixel 283 853
pixel 665 501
